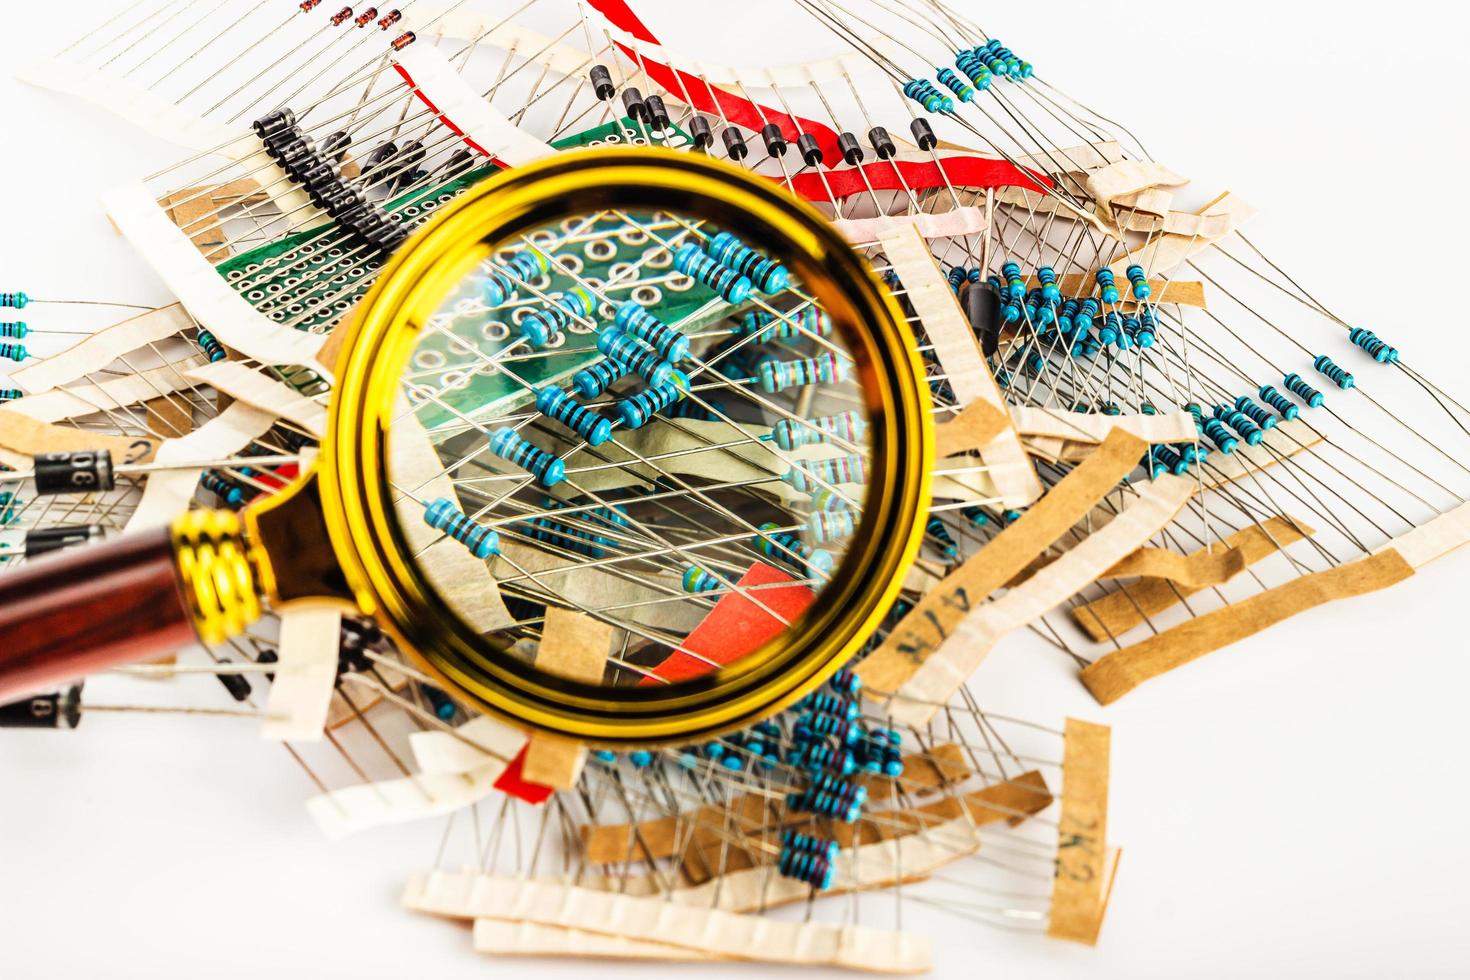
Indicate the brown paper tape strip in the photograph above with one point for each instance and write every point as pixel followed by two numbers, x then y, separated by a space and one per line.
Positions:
pixel 978 425
pixel 1114 675
pixel 574 645
pixel 1118 612
pixel 663 837
pixel 1182 292
pixel 935 616
pixel 1198 570
pixel 1077 891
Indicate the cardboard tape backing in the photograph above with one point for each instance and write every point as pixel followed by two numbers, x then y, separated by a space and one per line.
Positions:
pixel 1078 895
pixel 1114 675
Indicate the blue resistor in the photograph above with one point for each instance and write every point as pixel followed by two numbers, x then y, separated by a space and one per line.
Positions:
pixel 956 84
pixel 440 703
pixel 1381 352
pixel 1146 331
pixel 636 410
pixel 666 342
pixel 1047 276
pixel 825 368
pixel 442 515
pixel 935 529
pixel 1166 459
pixel 554 403
pixel 1106 284
pixel 767 275
pixel 1015 285
pixel 1241 423
pixel 969 63
pixel 14 331
pixel 924 93
pixel 957 276
pixel 212 348
pixel 809 322
pixel 1085 314
pixel 634 356
pixel 786 547
pixel 1199 416
pixel 794 433
pixel 697 579
pixel 1280 402
pixel 688 408
pixel 820 755
pixel 830 704
pixel 829 500
pixel 640 758
pixel 1111 330
pixel 1302 390
pixel 227 490
pixel 593 380
pixel 693 262
pixel 1064 317
pixel 1255 413
pixel 15 352
pixel 1223 438
pixel 10 394
pixel 808 474
pixel 807 844
pixel 976 516
pixel 547 530
pixel 1337 375
pixel 14 301
pixel 830 796
pixel 846 683
pixel 813 869
pixel 831 525
pixel 509 446
pixel 542 327
pixel 1139 279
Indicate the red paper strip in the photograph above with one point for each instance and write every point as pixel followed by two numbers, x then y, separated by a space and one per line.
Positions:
pixel 621 16
pixel 737 626
pixel 962 171
pixel 443 118
pixel 511 782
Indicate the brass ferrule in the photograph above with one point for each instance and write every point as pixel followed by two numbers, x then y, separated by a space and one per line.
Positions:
pixel 216 573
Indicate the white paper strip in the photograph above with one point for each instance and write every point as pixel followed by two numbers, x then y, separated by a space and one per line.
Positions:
pixel 347 811
pixel 265 393
pixel 442 753
pixel 305 673
pixel 102 348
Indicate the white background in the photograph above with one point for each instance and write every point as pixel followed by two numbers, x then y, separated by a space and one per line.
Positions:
pixel 1294 806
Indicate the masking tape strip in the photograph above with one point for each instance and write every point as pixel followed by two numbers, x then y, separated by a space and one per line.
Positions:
pixel 725 934
pixel 102 348
pixel 1114 675
pixel 661 837
pixel 80 400
pixel 938 613
pixel 201 288
pixel 168 491
pixel 574 645
pixel 442 753
pixel 960 654
pixel 553 761
pixel 1198 570
pixel 977 425
pixel 1059 424
pixel 1124 178
pixel 500 938
pixel 305 675
pixel 1118 612
pixel 1164 252
pixel 954 223
pixel 22 434
pixel 1434 538
pixel 464 110
pixel 1077 896
pixel 255 388
pixel 955 347
pixel 346 811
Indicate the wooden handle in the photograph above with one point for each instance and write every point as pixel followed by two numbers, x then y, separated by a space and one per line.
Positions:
pixel 88 609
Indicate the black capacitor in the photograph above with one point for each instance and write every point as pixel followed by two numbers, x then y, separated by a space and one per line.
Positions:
pixel 42 540
pixel 774 139
pixel 658 113
pixel 78 472
pixel 59 709
pixel 806 144
pixel 700 132
pixel 882 143
pixel 850 148
pixel 981 301
pixel 268 656
pixel 923 133
pixel 458 162
pixel 335 146
pixel 313 172
pixel 236 684
pixel 338 198
pixel 379 156
pixel 634 104
pixel 298 149
pixel 274 122
pixel 735 143
pixel 602 82
pixel 282 143
pixel 409 159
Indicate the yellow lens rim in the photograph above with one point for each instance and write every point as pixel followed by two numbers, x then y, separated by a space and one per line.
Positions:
pixel 370 545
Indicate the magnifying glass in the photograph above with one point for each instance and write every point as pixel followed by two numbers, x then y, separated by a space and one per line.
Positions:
pixel 627 445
